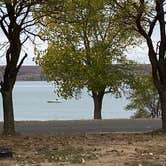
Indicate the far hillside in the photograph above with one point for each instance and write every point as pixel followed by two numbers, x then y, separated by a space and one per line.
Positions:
pixel 34 73
pixel 28 73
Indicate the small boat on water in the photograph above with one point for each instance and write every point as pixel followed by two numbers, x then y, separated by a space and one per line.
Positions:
pixel 54 101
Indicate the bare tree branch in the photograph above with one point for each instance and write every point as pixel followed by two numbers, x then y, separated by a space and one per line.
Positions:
pixel 3 27
pixel 21 62
pixel 25 16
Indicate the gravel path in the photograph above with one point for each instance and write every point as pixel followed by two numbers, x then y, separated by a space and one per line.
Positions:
pixel 81 126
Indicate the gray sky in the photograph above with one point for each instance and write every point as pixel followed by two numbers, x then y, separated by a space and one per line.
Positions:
pixel 139 53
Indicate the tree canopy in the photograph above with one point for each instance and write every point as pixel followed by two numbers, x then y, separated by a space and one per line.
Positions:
pixel 17 23
pixel 86 49
pixel 144 98
pixel 144 17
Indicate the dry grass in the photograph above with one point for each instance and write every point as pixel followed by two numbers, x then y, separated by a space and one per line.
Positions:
pixel 102 149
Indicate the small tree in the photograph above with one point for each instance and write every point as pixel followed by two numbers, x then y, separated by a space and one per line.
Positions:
pixel 83 51
pixel 144 98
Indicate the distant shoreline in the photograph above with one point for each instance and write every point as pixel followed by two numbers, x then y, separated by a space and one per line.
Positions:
pixel 83 120
pixel 35 73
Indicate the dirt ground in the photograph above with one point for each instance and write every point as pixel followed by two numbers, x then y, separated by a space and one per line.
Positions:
pixel 100 149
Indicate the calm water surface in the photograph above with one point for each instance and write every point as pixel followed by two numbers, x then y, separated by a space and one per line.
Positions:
pixel 30 103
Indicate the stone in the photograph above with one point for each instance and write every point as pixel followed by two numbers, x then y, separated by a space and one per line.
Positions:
pixel 5 152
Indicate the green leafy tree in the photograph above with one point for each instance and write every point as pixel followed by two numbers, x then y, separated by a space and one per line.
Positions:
pixel 144 17
pixel 83 50
pixel 144 98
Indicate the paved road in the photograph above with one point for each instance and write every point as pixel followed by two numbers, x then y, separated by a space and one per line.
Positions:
pixel 121 125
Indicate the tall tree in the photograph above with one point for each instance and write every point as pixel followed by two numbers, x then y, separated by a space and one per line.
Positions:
pixel 84 48
pixel 148 17
pixel 13 21
pixel 17 24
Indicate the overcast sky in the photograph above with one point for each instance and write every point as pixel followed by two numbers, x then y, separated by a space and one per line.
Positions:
pixel 139 53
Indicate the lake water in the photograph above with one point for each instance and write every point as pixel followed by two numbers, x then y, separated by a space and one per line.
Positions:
pixel 30 103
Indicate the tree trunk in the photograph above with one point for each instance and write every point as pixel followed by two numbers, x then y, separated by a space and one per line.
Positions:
pixel 98 100
pixel 158 109
pixel 13 23
pixel 9 126
pixel 163 109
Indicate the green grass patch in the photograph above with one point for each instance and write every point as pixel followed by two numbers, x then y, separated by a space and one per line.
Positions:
pixel 70 154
